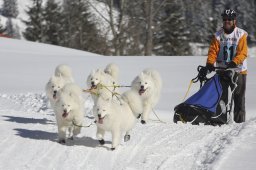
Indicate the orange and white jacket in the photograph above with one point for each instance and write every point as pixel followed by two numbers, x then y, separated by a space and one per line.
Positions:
pixel 229 47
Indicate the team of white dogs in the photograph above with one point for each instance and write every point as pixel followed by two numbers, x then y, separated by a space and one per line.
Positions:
pixel 113 112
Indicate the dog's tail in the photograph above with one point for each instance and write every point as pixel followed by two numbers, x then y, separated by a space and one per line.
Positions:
pixel 132 98
pixel 64 71
pixel 113 70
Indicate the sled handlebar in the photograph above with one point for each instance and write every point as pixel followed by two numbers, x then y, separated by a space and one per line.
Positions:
pixel 202 73
pixel 215 68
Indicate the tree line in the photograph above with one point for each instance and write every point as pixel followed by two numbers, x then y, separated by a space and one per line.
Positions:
pixel 10 11
pixel 122 27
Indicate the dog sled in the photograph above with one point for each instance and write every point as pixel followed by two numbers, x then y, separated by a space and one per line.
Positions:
pixel 212 104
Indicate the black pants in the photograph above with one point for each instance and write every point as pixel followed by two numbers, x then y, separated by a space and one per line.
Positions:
pixel 239 99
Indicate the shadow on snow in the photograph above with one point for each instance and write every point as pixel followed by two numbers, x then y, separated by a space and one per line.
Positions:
pixel 28 120
pixel 36 134
pixel 43 135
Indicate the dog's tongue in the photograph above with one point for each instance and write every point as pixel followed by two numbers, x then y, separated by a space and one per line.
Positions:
pixel 100 120
pixel 141 91
pixel 54 96
pixel 65 114
pixel 93 87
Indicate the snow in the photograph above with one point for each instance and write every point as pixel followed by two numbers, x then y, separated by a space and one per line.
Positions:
pixel 29 132
pixel 252 52
pixel 244 149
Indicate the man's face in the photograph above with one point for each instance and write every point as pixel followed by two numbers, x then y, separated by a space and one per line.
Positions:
pixel 228 23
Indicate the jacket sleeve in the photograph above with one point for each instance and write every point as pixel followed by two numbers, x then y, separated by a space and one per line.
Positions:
pixel 241 51
pixel 213 51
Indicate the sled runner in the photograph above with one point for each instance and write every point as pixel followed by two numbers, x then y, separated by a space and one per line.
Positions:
pixel 212 104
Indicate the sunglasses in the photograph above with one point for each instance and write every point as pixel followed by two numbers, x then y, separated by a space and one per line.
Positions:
pixel 227 19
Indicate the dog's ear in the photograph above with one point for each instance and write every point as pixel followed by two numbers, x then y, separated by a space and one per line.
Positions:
pixel 142 75
pixel 150 74
pixel 53 77
pixel 101 71
pixel 60 75
pixel 98 70
pixel 93 71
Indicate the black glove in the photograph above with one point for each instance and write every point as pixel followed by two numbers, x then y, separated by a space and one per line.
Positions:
pixel 210 67
pixel 202 72
pixel 231 64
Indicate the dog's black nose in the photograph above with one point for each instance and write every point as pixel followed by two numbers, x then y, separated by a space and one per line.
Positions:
pixel 142 87
pixel 99 115
pixel 55 91
pixel 65 110
pixel 93 83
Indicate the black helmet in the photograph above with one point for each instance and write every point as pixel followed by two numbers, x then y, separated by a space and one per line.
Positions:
pixel 230 13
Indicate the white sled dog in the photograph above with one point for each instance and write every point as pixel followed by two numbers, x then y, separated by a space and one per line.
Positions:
pixel 101 84
pixel 148 85
pixel 52 88
pixel 62 76
pixel 112 116
pixel 69 115
pixel 74 91
pixel 65 72
pixel 133 99
pixel 113 70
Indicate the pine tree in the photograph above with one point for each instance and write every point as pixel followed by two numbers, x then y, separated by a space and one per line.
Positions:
pixel 2 29
pixel 200 20
pixel 245 16
pixel 34 30
pixel 170 37
pixel 79 30
pixel 135 28
pixel 254 22
pixel 10 8
pixel 12 30
pixel 52 27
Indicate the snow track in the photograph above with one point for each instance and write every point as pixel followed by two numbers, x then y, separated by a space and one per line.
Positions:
pixel 29 141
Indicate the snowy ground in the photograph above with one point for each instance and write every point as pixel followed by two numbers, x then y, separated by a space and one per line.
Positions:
pixel 29 133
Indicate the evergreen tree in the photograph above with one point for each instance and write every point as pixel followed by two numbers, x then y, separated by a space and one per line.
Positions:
pixel 171 37
pixel 245 16
pixel 2 29
pixel 79 30
pixel 12 30
pixel 136 28
pixel 204 17
pixel 200 20
pixel 10 8
pixel 52 27
pixel 254 22
pixel 34 30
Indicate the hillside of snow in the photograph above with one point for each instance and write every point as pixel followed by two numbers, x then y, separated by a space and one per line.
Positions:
pixel 29 135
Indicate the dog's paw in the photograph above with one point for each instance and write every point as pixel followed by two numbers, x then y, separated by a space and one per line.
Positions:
pixel 127 138
pixel 112 149
pixel 138 116
pixel 102 142
pixel 143 122
pixel 62 141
